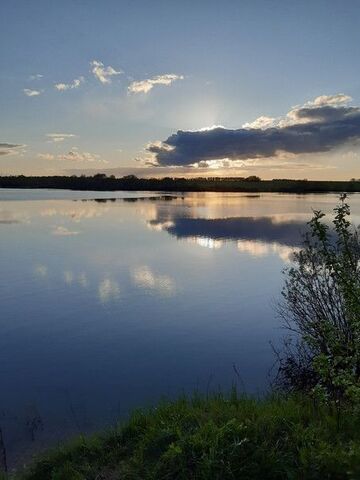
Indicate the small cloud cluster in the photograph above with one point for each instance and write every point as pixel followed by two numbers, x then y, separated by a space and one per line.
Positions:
pixel 102 73
pixel 61 87
pixel 321 125
pixel 73 155
pixel 144 86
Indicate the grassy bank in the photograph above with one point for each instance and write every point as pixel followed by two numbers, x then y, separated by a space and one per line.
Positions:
pixel 215 438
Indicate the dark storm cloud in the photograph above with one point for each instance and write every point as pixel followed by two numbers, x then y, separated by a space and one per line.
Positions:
pixel 311 129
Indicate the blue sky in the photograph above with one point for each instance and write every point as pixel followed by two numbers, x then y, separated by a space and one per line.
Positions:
pixel 164 66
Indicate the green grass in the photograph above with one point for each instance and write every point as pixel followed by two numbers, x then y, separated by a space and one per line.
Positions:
pixel 214 438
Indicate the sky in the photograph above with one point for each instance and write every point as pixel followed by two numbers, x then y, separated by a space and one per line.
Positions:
pixel 205 88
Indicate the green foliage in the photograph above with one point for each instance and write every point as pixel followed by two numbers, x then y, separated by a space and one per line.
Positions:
pixel 215 438
pixel 322 309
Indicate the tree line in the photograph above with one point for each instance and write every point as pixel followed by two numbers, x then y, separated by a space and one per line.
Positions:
pixel 253 183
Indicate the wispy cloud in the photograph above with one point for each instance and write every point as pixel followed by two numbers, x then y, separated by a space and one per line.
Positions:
pixel 102 73
pixel 11 149
pixel 45 156
pixel 59 137
pixel 61 87
pixel 75 155
pixel 321 125
pixel 31 93
pixel 144 86
pixel 37 76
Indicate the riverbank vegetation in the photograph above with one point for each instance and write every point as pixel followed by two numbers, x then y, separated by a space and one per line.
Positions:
pixel 215 438
pixel 101 182
pixel 308 428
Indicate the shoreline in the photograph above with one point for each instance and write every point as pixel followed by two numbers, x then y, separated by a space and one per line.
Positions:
pixel 102 183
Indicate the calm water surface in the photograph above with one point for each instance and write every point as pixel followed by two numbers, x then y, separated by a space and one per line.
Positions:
pixel 111 300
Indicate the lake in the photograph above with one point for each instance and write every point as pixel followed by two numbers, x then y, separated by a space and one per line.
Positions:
pixel 112 300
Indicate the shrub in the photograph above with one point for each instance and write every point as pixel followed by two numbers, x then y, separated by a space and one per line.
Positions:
pixel 321 311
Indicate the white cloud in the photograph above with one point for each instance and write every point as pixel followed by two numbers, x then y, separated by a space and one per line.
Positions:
pixel 69 86
pixel 144 86
pixel 59 137
pixel 63 232
pixel 31 93
pixel 262 122
pixel 292 117
pixel 102 73
pixel 333 100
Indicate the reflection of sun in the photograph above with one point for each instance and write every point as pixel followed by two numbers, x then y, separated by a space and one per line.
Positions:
pixel 207 242
pixel 262 249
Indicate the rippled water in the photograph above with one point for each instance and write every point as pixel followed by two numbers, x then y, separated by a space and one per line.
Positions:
pixel 111 300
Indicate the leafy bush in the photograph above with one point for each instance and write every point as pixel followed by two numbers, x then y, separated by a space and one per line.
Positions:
pixel 321 309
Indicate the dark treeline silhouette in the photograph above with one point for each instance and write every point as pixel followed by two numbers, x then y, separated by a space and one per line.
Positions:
pixel 101 182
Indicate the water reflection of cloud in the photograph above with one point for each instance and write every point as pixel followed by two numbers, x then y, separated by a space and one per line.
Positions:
pixel 239 228
pixel 257 236
pixel 63 231
pixel 158 226
pixel 108 290
pixel 41 270
pixel 76 214
pixel 10 218
pixel 144 277
pixel 68 277
pixel 83 280
pixel 207 242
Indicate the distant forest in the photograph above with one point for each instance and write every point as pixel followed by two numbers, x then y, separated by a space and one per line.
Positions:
pixel 102 182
